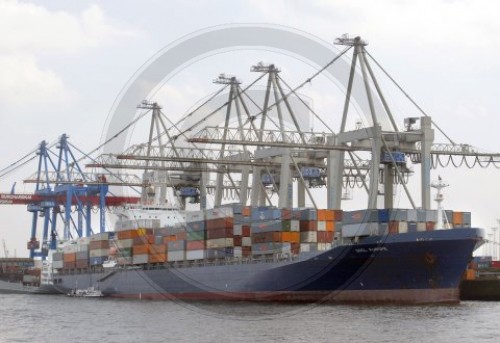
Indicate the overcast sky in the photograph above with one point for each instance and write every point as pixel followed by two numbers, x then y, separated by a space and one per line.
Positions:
pixel 63 64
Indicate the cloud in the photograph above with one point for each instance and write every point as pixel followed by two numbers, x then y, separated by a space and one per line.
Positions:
pixel 23 81
pixel 30 31
pixel 26 27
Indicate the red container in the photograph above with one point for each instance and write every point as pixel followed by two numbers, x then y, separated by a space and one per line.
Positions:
pixel 95 245
pixel 147 239
pixel 495 264
pixel 69 265
pixel 237 241
pixel 429 226
pixel 245 230
pixel 219 223
pixel 308 225
pixel 220 233
pixel 286 213
pixel 393 227
pixel 181 236
pixel 82 264
pixel 195 245
pixel 325 237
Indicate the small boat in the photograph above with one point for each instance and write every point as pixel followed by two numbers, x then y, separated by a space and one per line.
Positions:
pixel 90 292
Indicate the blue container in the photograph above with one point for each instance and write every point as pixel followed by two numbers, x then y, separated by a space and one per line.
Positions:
pixel 309 214
pixel 98 260
pixel 412 227
pixel 310 172
pixel 188 192
pixel 265 214
pixel 219 253
pixel 383 216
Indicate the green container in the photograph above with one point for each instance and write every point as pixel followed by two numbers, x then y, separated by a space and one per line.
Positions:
pixel 286 225
pixel 196 235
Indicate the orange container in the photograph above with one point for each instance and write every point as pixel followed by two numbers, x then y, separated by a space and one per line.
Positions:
pixel 429 226
pixel 393 227
pixel 458 218
pixel 140 249
pixel 71 257
pixel 330 226
pixel 127 234
pixel 326 215
pixel 290 237
pixel 247 211
pixel 170 238
pixel 157 258
pixel 157 249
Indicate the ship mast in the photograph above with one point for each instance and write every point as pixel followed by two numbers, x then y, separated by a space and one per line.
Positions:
pixel 439 185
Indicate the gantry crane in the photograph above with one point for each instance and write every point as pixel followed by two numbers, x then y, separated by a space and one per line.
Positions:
pixel 63 190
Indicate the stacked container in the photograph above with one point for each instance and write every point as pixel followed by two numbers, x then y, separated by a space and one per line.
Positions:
pixel 99 248
pixel 219 230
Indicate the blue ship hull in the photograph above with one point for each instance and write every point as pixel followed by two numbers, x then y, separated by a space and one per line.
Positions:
pixel 417 267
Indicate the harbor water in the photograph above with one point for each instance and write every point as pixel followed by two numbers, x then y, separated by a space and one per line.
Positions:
pixel 52 318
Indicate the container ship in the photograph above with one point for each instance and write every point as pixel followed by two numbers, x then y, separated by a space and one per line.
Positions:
pixel 20 275
pixel 254 208
pixel 269 254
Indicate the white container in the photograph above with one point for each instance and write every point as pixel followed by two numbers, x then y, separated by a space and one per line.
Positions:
pixel 421 227
pixel 98 252
pixel 324 246
pixel 195 254
pixel 321 225
pixel 57 264
pixel 238 230
pixel 220 243
pixel 403 227
pixel 295 225
pixel 309 237
pixel 173 256
pixel 246 241
pixel 140 259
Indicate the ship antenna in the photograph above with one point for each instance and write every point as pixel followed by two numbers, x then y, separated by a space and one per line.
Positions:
pixel 439 185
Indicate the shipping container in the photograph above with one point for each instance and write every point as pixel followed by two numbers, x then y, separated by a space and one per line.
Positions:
pixel 308 237
pixel 219 243
pixel 308 225
pixel 82 255
pixel 429 226
pixel 195 245
pixel 290 237
pixel 177 255
pixel 97 260
pixel 360 229
pixel 295 225
pixel 125 252
pixel 219 253
pixel 195 254
pixel 157 258
pixel 140 249
pixel 196 226
pixel 220 233
pixel 57 256
pixel 321 225
pixel 140 258
pixel 271 248
pixel 266 226
pixel 308 214
pixel 124 243
pixel 458 218
pixel 98 252
pixel 421 226
pixel 403 227
pixel 69 257
pixel 246 241
pixel 308 247
pixel 57 264
pixel 99 244
pixel 196 235
pixel 393 227
pixel 82 264
pixel 431 216
pixel 146 239
pixel 219 223
pixel 324 237
pixel 176 246
pixel 156 249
